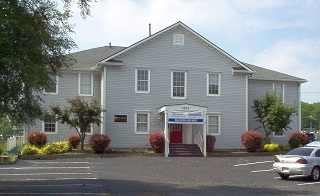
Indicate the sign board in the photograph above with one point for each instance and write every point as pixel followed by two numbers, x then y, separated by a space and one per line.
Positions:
pixel 185 117
pixel 120 118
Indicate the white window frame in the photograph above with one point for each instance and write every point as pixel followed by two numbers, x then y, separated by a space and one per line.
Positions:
pixel 178 39
pixel 56 127
pixel 136 81
pixel 208 83
pixel 57 84
pixel 79 85
pixel 282 86
pixel 219 124
pixel 91 130
pixel 185 85
pixel 136 121
pixel 274 134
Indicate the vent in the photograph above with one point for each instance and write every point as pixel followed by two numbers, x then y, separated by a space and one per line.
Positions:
pixel 178 39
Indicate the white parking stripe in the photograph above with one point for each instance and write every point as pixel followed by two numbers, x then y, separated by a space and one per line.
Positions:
pixel 48 185
pixel 38 174
pixel 244 164
pixel 61 179
pixel 308 183
pixel 261 170
pixel 59 162
pixel 17 168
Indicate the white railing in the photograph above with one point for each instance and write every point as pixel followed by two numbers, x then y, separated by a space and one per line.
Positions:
pixel 198 140
pixel 12 142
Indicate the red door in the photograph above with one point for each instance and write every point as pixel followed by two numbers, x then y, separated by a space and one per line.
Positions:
pixel 175 133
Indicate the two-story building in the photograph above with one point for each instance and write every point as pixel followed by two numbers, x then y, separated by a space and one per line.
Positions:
pixel 175 81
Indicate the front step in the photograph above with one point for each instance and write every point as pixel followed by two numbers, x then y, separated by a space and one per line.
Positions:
pixel 184 150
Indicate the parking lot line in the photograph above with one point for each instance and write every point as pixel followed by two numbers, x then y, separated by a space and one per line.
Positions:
pixel 17 168
pixel 39 174
pixel 40 179
pixel 266 170
pixel 55 162
pixel 308 183
pixel 244 164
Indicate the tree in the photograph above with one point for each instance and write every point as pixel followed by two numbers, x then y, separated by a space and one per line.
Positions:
pixel 80 115
pixel 34 42
pixel 272 113
pixel 310 116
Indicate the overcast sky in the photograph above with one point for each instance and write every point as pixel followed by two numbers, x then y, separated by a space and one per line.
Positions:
pixel 280 35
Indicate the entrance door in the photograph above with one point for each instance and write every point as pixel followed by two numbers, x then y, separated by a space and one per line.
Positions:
pixel 175 133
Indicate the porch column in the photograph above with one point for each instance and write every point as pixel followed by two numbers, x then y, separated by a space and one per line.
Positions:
pixel 166 134
pixel 204 134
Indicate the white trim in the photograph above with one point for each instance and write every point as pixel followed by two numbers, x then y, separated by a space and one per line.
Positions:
pixel 247 102
pixel 135 121
pixel 136 80
pixel 277 136
pixel 50 133
pixel 79 85
pixel 219 125
pixel 299 107
pixel 178 39
pixel 185 85
pixel 219 81
pixel 53 93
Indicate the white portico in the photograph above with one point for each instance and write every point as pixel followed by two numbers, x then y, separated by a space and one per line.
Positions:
pixel 183 117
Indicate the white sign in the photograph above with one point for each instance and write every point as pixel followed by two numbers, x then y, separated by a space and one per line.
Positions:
pixel 185 117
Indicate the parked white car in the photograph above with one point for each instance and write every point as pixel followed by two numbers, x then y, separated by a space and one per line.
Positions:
pixel 299 161
pixel 315 143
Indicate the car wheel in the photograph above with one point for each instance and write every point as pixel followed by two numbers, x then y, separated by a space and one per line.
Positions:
pixel 284 176
pixel 315 174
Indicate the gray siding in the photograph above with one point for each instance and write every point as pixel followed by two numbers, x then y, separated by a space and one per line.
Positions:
pixel 257 88
pixel 67 88
pixel 161 57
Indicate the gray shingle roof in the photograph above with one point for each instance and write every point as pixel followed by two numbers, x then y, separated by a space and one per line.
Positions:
pixel 89 58
pixel 267 74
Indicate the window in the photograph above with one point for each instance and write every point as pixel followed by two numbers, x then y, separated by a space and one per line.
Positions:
pixel 178 84
pixel 278 134
pixel 90 131
pixel 178 39
pixel 49 125
pixel 142 120
pixel 53 87
pixel 213 84
pixel 142 81
pixel 279 89
pixel 213 124
pixel 86 84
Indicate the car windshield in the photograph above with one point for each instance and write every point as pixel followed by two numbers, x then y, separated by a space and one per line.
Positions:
pixel 301 151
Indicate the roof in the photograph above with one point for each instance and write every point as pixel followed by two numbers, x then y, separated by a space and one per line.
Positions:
pixel 245 68
pixel 89 58
pixel 267 74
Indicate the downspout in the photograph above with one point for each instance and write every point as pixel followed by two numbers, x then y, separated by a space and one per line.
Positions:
pixel 299 107
pixel 247 102
pixel 166 133
pixel 104 100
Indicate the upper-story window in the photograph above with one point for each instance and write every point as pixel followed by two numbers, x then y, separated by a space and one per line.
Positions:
pixel 86 84
pixel 213 84
pixel 53 86
pixel 178 84
pixel 142 81
pixel 278 87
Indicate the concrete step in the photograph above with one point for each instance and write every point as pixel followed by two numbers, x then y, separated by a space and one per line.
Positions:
pixel 184 150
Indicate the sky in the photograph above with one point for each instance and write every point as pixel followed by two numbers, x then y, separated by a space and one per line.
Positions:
pixel 282 35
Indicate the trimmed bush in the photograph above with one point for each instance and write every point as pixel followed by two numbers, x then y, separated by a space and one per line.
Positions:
pixel 271 147
pixel 303 138
pixel 157 141
pixel 251 140
pixel 99 142
pixel 74 140
pixel 56 148
pixel 30 150
pixel 294 142
pixel 211 140
pixel 37 138
pixel 286 147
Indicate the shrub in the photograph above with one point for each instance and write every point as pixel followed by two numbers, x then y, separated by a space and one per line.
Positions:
pixel 286 147
pixel 303 138
pixel 99 143
pixel 271 147
pixel 74 140
pixel 211 140
pixel 157 141
pixel 1 151
pixel 251 140
pixel 56 148
pixel 29 150
pixel 37 138
pixel 294 142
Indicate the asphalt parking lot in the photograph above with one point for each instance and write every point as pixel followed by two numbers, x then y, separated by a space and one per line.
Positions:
pixel 150 176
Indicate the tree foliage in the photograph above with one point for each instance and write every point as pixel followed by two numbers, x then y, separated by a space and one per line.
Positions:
pixel 310 115
pixel 272 113
pixel 79 115
pixel 34 42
